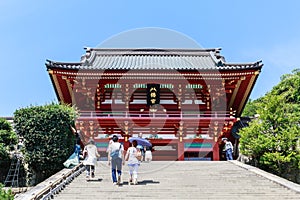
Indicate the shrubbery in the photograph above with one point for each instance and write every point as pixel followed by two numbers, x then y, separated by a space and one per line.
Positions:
pixel 5 195
pixel 272 140
pixel 8 139
pixel 48 140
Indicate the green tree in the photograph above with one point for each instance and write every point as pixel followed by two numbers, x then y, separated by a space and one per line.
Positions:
pixel 5 125
pixel 48 140
pixel 252 106
pixel 6 194
pixel 289 87
pixel 272 141
pixel 8 138
pixel 7 135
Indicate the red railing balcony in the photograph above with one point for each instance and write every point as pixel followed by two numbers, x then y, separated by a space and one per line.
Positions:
pixel 169 115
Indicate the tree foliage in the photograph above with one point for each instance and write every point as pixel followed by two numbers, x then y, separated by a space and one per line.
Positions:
pixel 252 107
pixel 5 125
pixel 272 140
pixel 7 135
pixel 48 140
pixel 8 138
pixel 6 194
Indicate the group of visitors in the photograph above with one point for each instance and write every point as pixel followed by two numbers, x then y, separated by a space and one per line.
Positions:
pixel 145 150
pixel 116 159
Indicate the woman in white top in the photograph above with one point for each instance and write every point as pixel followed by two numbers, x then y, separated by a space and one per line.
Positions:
pixel 91 154
pixel 133 155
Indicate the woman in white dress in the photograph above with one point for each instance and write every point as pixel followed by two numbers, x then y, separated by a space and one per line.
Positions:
pixel 91 154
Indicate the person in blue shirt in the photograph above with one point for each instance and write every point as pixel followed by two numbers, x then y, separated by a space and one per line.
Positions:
pixel 228 148
pixel 77 149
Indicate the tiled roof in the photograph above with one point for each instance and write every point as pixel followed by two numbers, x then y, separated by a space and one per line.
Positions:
pixel 152 59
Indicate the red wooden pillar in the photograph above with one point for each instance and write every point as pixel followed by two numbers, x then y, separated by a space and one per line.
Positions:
pixel 180 143
pixel 180 150
pixel 216 156
pixel 126 145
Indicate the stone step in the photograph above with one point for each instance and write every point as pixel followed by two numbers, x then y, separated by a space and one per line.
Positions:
pixel 179 180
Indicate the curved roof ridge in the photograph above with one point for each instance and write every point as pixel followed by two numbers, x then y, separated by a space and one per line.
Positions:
pixel 152 49
pixel 92 53
pixel 163 59
pixel 257 63
pixel 60 62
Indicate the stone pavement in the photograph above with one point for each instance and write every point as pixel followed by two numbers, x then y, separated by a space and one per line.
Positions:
pixel 183 180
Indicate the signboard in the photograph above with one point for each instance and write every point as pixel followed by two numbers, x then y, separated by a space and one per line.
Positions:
pixel 153 94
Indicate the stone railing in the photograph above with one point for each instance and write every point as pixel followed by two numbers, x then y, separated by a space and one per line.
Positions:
pixel 51 186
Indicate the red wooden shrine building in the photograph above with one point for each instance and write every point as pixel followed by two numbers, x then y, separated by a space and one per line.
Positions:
pixel 183 100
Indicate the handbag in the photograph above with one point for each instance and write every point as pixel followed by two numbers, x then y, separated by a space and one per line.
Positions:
pixel 138 155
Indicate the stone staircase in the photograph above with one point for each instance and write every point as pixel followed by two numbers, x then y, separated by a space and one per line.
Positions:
pixel 184 180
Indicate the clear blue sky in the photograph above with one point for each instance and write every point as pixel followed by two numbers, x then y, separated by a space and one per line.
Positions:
pixel 32 31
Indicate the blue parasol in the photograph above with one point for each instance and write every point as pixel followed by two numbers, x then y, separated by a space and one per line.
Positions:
pixel 140 141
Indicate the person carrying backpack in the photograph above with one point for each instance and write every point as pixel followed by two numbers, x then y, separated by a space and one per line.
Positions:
pixel 116 159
